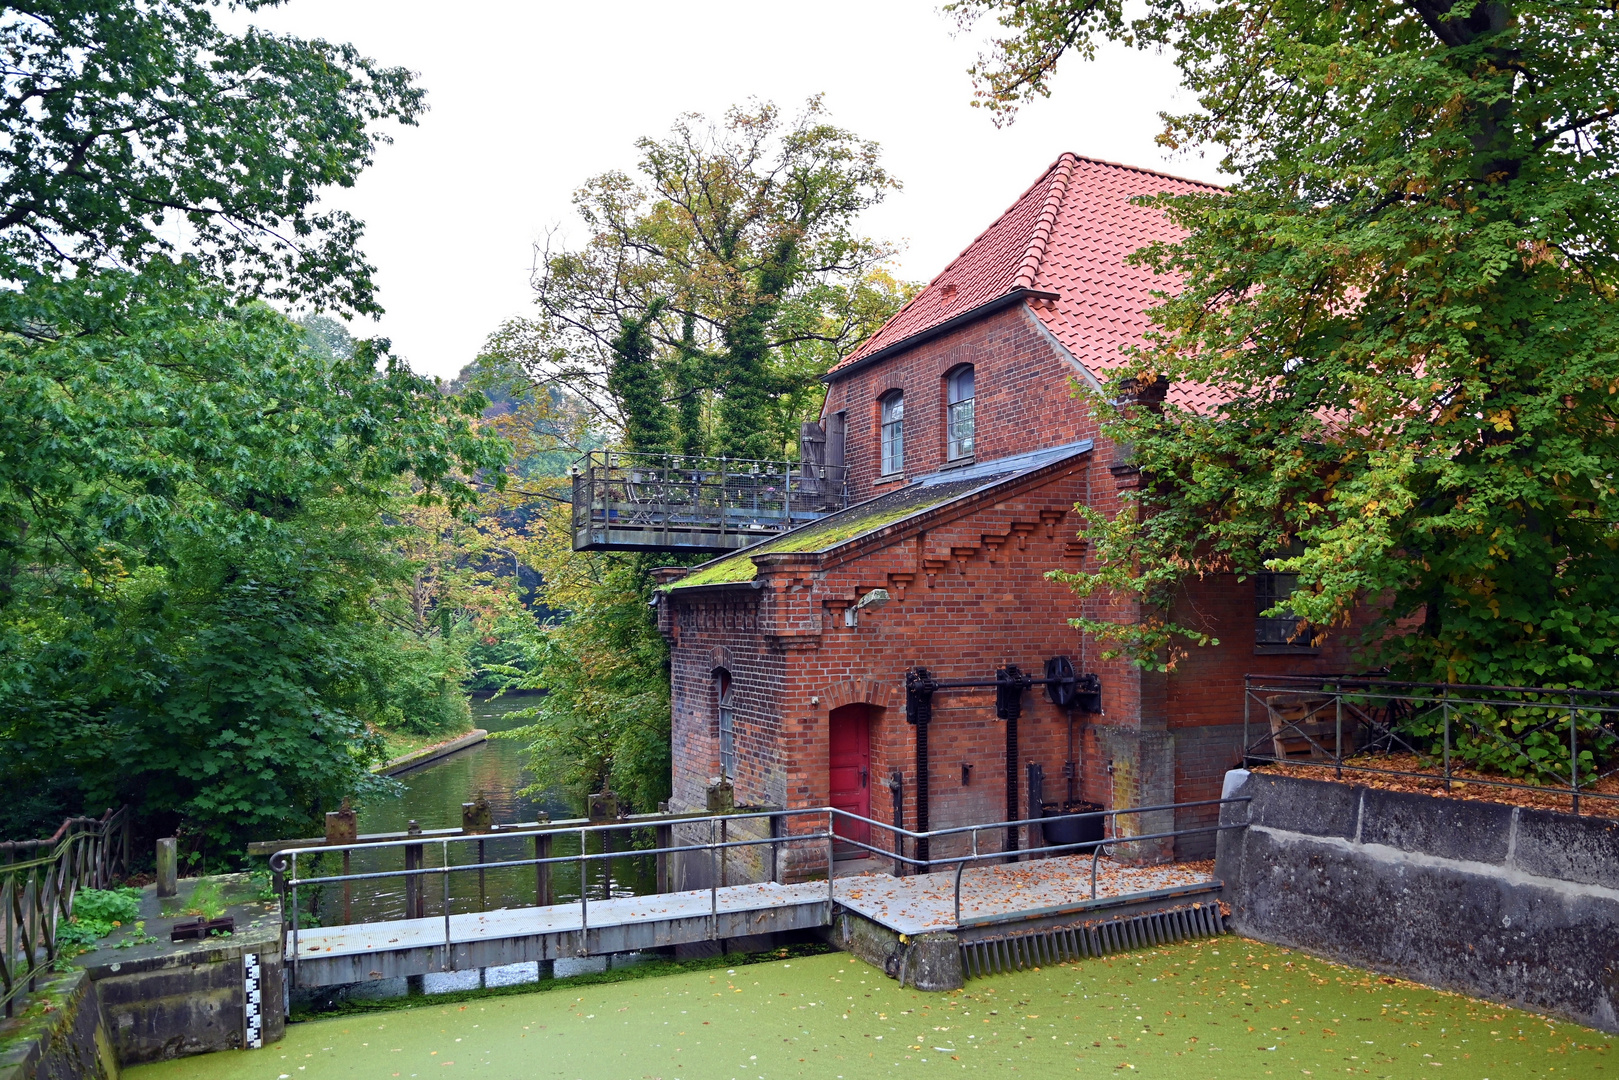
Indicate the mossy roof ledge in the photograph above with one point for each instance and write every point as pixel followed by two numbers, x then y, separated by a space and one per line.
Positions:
pixel 871 519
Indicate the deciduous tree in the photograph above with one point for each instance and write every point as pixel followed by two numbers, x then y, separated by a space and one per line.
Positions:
pixel 1400 321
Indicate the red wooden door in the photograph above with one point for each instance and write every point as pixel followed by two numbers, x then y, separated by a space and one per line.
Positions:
pixel 849 768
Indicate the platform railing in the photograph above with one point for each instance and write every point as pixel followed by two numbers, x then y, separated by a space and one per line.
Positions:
pixel 816 827
pixel 1559 741
pixel 38 880
pixel 1095 848
pixel 284 863
pixel 634 501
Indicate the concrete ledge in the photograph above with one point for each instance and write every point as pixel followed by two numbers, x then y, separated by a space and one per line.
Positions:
pixel 1512 905
pixel 429 754
pixel 66 1043
pixel 1562 846
pixel 164 999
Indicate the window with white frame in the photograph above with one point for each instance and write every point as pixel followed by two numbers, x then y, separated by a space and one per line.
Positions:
pixel 893 433
pixel 727 723
pixel 959 413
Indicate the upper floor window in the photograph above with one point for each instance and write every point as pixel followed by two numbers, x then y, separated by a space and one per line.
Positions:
pixel 959 413
pixel 727 718
pixel 893 433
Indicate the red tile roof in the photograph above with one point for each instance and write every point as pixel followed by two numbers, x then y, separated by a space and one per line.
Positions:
pixel 1068 234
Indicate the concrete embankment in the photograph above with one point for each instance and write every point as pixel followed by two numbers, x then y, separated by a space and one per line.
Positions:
pixel 1501 902
pixel 429 754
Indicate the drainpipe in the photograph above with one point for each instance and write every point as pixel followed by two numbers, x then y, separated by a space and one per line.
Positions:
pixel 919 688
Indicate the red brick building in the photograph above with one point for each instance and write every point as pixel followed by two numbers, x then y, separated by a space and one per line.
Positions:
pixel 966 428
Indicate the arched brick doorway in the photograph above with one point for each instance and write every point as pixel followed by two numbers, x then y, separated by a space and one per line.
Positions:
pixel 849 771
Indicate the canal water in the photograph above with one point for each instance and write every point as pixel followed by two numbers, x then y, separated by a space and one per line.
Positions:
pixel 432 797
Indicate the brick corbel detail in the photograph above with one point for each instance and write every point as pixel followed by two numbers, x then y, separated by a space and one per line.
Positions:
pixel 1050 518
pixel 860 691
pixel 961 555
pixel 992 544
pixel 899 583
pixel 1021 530
pixel 933 567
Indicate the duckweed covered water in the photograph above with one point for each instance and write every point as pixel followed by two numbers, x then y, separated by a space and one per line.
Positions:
pixel 1212 1009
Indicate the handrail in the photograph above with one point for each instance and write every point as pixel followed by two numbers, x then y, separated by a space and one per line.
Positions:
pixel 287 860
pixel 38 880
pixel 1338 710
pixel 679 500
pixel 284 863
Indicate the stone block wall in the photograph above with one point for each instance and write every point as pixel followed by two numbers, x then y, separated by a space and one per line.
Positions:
pixel 1509 904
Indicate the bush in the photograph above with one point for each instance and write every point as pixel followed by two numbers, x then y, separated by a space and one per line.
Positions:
pixel 97 913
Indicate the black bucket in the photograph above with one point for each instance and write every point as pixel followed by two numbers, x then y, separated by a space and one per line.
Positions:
pixel 1071 830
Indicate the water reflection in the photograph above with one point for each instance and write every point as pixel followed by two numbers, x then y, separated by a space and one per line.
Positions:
pixel 432 798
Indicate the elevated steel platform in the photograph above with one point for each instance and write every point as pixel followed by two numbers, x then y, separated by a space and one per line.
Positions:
pixel 646 502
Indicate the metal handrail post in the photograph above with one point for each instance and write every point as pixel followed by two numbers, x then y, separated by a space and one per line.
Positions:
pixel 295 949
pixel 831 888
pixel 1338 750
pixel 1574 753
pixel 1446 707
pixel 584 894
pixel 713 886
pixel 1247 700
pixel 444 863
pixel 1096 853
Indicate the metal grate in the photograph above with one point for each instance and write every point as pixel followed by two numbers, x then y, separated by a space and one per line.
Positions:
pixel 1015 952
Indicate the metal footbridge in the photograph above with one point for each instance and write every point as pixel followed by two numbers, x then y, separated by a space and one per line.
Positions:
pixel 982 896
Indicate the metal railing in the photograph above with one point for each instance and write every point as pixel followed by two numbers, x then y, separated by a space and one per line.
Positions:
pixel 817 827
pixel 1095 848
pixel 1550 741
pixel 38 879
pixel 627 501
pixel 284 863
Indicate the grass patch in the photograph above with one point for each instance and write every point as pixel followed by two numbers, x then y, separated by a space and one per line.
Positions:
pixel 399 743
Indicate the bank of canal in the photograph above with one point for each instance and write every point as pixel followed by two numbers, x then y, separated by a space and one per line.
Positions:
pixel 1226 1008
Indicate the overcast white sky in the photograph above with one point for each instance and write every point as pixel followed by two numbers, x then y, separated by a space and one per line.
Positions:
pixel 530 99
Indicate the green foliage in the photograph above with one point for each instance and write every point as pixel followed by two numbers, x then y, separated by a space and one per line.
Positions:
pixel 604 721
pixel 207 900
pixel 1528 742
pixel 1406 306
pixel 728 277
pixel 122 119
pixel 713 293
pixel 193 552
pixel 96 913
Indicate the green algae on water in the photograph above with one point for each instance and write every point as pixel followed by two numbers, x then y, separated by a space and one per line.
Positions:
pixel 1222 1008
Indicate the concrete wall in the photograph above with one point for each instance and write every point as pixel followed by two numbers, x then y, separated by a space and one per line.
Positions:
pixel 1513 905
pixel 67 1043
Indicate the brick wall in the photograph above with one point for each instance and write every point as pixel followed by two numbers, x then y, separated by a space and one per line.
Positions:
pixel 1023 398
pixel 969 595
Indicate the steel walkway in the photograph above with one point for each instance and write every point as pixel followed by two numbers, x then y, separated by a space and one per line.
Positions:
pixel 365 952
pixel 974 895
